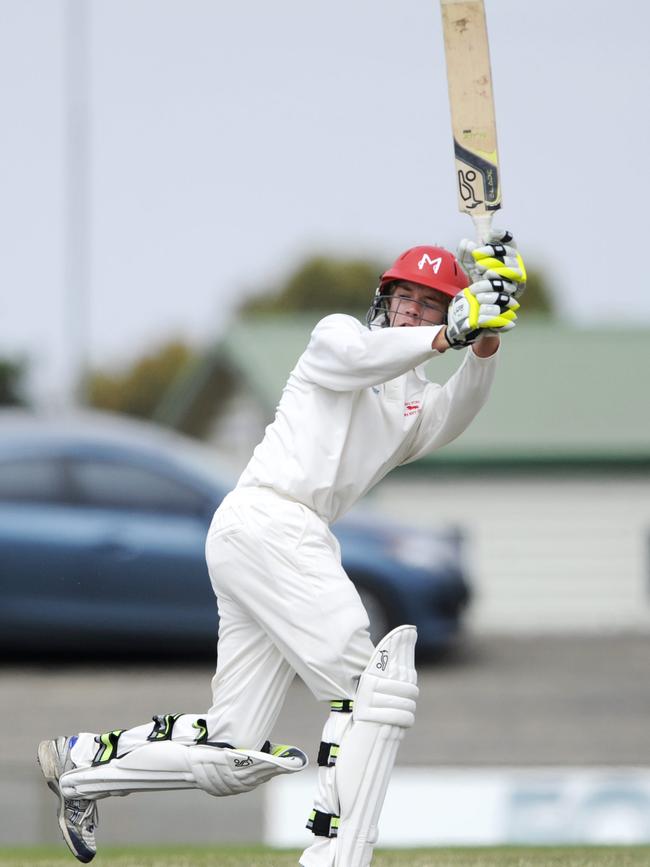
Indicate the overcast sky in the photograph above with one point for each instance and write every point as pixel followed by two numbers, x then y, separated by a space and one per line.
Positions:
pixel 230 139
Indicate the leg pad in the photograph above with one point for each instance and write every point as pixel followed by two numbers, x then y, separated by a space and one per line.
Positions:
pixel 167 765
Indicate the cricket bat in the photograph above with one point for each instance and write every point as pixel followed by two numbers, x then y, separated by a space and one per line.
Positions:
pixel 472 111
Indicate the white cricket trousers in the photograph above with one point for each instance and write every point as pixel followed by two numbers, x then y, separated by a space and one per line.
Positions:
pixel 285 605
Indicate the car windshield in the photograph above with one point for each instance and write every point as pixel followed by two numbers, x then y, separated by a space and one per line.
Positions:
pixel 202 461
pixel 23 436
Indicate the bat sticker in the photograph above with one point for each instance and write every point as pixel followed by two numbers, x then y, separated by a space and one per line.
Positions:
pixel 466 190
pixel 484 168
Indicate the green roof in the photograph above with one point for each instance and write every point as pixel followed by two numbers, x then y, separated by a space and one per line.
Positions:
pixel 560 393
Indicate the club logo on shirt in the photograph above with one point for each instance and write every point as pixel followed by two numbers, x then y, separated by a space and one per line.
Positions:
pixel 411 407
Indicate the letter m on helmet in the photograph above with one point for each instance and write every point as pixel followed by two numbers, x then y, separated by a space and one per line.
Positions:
pixel 427 260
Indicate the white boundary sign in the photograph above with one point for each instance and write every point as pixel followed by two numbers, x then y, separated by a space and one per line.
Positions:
pixel 492 806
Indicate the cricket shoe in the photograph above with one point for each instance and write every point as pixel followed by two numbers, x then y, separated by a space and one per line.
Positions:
pixel 77 816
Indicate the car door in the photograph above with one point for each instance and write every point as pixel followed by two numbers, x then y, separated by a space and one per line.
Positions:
pixel 40 560
pixel 144 584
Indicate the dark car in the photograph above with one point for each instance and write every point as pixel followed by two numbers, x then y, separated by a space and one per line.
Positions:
pixel 102 531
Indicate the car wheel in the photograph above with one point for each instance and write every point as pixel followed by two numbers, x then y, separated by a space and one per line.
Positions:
pixel 377 614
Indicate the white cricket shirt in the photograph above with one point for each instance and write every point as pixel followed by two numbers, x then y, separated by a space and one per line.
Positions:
pixel 355 406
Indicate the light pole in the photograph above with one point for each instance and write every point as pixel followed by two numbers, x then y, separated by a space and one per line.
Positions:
pixel 77 195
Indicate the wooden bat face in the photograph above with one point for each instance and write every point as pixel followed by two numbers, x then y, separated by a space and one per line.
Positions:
pixel 472 108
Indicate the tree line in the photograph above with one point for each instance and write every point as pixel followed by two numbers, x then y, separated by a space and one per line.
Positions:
pixel 318 284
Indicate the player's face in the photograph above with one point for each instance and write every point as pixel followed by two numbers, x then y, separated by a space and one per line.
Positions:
pixel 411 305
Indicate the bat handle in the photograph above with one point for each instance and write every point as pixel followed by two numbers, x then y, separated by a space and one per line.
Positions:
pixel 483 225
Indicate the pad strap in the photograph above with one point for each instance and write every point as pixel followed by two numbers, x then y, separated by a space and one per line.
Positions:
pixel 327 754
pixel 342 706
pixel 163 726
pixel 107 747
pixel 202 731
pixel 323 824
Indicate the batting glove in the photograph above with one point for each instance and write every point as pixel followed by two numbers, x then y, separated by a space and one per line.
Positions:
pixel 482 308
pixel 498 259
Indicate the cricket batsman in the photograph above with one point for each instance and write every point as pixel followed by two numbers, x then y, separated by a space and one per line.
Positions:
pixel 285 603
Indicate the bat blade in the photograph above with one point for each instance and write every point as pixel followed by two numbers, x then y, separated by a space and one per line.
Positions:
pixel 471 103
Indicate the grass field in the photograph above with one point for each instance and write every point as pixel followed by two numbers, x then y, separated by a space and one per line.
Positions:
pixel 567 856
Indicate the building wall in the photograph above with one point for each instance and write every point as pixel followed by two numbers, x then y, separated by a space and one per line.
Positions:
pixel 544 554
pixel 237 429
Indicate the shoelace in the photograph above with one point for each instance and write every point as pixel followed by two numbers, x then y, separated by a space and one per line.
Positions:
pixel 87 814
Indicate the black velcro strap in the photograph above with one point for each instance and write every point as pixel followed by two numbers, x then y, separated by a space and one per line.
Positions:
pixel 202 731
pixel 323 824
pixel 327 754
pixel 342 705
pixel 107 747
pixel 163 726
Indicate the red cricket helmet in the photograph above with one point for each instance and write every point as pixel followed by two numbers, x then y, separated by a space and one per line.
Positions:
pixel 434 267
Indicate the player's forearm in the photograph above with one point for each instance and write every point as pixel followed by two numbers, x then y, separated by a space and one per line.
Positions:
pixel 440 343
pixel 486 346
pixel 343 357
